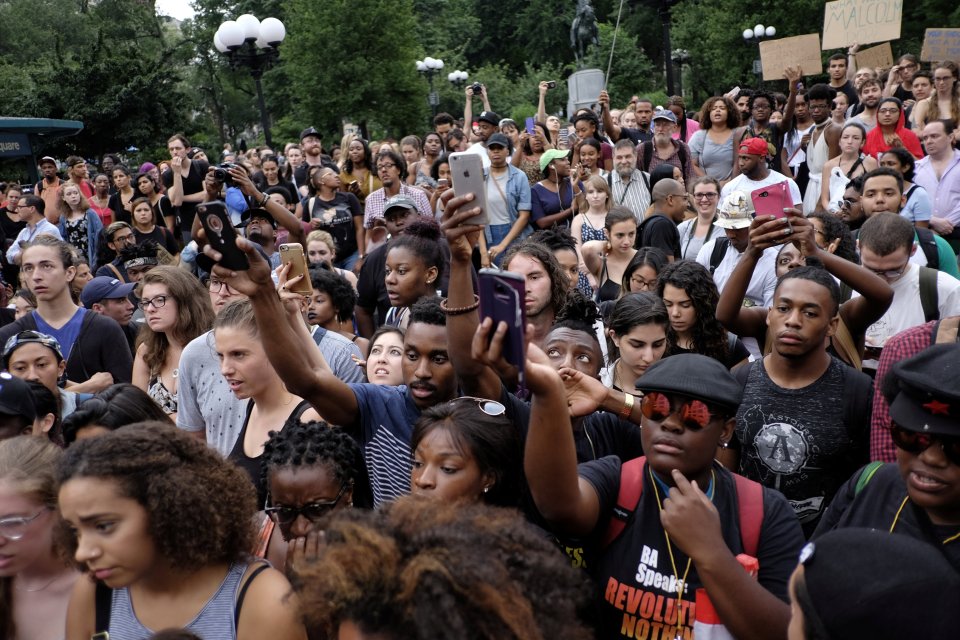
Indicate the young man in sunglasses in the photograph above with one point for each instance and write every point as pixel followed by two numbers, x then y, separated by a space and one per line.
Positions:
pixel 919 496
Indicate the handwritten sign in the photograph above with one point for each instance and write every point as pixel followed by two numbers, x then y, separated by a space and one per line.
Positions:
pixel 940 45
pixel 876 57
pixel 847 22
pixel 798 51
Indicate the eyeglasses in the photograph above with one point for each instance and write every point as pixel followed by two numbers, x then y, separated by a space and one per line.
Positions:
pixel 489 407
pixel 888 112
pixel 706 196
pixel 157 302
pixel 942 78
pixel 384 167
pixel 216 286
pixel 848 203
pixel 916 443
pixel 313 512
pixel 890 274
pixel 640 283
pixel 15 528
pixel 694 414
pixel 127 239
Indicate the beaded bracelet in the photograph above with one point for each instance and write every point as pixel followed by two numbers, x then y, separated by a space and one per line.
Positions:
pixel 459 311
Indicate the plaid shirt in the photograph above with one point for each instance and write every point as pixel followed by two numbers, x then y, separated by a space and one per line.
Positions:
pixel 903 345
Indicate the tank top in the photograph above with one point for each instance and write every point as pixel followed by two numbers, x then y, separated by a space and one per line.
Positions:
pixel 215 620
pixel 252 465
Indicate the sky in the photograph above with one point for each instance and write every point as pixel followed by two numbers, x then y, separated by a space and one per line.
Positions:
pixel 179 9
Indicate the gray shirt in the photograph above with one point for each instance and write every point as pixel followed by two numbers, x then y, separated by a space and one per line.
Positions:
pixel 337 351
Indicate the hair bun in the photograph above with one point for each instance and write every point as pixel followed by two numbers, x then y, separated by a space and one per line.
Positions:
pixel 579 308
pixel 426 228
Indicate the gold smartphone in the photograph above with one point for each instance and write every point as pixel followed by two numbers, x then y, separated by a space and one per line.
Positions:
pixel 292 253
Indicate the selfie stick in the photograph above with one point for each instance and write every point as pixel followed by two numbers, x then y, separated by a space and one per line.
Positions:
pixel 613 45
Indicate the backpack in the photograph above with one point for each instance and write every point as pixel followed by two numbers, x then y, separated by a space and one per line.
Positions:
pixel 646 155
pixel 749 506
pixel 928 243
pixel 929 296
pixel 719 251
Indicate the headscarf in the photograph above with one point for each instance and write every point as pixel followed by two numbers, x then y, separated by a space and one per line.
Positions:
pixel 876 145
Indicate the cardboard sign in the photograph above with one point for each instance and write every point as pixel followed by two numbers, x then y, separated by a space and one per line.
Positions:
pixel 802 51
pixel 847 22
pixel 876 57
pixel 940 45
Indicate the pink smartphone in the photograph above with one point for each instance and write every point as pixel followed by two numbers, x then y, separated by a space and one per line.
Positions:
pixel 772 200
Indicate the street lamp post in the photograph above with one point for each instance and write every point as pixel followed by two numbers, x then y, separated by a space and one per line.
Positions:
pixel 681 57
pixel 458 78
pixel 430 67
pixel 755 36
pixel 248 42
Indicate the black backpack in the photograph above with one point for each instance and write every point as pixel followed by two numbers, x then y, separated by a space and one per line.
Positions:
pixel 646 155
pixel 719 250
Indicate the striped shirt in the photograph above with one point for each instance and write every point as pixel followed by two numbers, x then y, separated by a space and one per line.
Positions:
pixel 633 195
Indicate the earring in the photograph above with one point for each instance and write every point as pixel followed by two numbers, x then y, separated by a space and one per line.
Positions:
pixel 486 489
pixel 724 445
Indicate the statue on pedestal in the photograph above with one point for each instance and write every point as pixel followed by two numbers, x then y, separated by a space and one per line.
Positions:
pixel 583 31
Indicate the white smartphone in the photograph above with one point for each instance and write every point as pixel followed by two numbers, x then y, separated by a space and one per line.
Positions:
pixel 467 173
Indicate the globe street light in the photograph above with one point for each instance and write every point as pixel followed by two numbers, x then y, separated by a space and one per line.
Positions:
pixel 458 78
pixel 755 36
pixel 248 42
pixel 430 67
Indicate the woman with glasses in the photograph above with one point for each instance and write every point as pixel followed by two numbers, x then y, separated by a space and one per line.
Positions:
pixel 35 583
pixel 310 470
pixel 161 525
pixel 919 496
pixel 244 365
pixel 642 272
pixel 891 131
pixel 338 213
pixel 837 172
pixel 671 523
pixel 944 104
pixel 176 309
pixel 696 232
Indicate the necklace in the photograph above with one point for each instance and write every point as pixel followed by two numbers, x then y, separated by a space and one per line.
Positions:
pixel 681 582
pixel 897 517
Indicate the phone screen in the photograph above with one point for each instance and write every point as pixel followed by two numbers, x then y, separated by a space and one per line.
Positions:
pixel 530 128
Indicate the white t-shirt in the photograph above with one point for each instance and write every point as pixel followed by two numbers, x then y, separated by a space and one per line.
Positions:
pixel 748 186
pixel 497 212
pixel 762 282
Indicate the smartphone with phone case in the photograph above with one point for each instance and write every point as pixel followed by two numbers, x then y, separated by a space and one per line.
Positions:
pixel 466 170
pixel 772 200
pixel 530 126
pixel 502 298
pixel 292 253
pixel 221 235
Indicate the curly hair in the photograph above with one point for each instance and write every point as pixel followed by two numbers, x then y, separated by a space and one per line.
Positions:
pixel 342 295
pixel 200 506
pixel 835 229
pixel 421 569
pixel 314 443
pixel 427 310
pixel 116 406
pixel 492 441
pixel 559 284
pixel 194 312
pixel 733 114
pixel 708 335
pixel 367 162
pixel 580 313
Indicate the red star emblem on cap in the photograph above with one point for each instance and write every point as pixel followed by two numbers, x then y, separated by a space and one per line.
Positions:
pixel 937 407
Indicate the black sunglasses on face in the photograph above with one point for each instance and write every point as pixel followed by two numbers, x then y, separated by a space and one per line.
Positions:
pixel 916 443
pixel 313 512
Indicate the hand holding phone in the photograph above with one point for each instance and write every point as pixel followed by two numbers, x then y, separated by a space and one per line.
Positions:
pixel 466 169
pixel 502 299
pixel 292 253
pixel 221 235
pixel 772 200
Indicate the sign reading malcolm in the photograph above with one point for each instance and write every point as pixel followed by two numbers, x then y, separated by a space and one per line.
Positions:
pixel 847 22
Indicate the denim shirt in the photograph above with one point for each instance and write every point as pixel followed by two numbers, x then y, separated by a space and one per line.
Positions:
pixel 517 193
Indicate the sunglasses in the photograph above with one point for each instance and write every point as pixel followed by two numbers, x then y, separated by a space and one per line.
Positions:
pixel 489 407
pixel 916 443
pixel 694 414
pixel 313 512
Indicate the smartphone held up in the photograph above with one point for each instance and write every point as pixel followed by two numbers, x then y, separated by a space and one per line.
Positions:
pixel 502 299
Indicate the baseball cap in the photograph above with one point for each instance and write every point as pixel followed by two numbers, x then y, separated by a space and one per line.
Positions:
pixel 861 583
pixel 735 212
pixel 17 340
pixel 549 156
pixel 755 147
pixel 15 398
pixel 924 390
pixel 310 131
pixel 48 160
pixel 665 114
pixel 398 202
pixel 256 212
pixel 104 288
pixel 498 139
pixel 489 116
pixel 695 376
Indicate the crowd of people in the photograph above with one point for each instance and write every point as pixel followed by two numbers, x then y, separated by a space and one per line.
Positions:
pixel 737 404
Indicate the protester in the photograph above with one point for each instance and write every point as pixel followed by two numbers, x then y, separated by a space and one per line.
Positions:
pixel 553 199
pixel 331 305
pixel 146 229
pixel 384 362
pixel 413 267
pixel 835 176
pixel 116 406
pixel 638 330
pixel 607 259
pixel 340 214
pixel 695 232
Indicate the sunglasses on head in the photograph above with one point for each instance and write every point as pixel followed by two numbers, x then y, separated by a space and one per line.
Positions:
pixel 916 443
pixel 490 407
pixel 694 414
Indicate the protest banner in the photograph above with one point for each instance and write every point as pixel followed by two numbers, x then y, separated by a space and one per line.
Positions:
pixel 798 51
pixel 848 22
pixel 876 57
pixel 940 44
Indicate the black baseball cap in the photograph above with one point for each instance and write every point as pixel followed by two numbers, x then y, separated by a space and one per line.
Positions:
pixel 310 131
pixel 694 376
pixel 256 212
pixel 15 398
pixel 498 139
pixel 489 116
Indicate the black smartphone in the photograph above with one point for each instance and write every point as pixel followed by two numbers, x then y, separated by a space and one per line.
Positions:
pixel 221 235
pixel 502 298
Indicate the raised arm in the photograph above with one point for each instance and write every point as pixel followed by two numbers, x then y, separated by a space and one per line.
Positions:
pixel 468 112
pixel 611 127
pixel 281 214
pixel 542 103
pixel 175 192
pixel 793 75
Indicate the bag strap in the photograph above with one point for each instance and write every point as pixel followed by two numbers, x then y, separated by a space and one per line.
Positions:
pixel 116 271
pixel 103 599
pixel 719 251
pixel 929 297
pixel 928 243
pixel 628 497
pixel 647 151
pixel 750 513
pixel 845 347
pixel 865 475
pixel 263 566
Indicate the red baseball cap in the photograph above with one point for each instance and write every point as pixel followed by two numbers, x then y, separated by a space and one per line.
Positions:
pixel 755 147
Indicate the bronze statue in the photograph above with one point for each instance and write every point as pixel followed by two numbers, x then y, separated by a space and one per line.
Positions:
pixel 583 31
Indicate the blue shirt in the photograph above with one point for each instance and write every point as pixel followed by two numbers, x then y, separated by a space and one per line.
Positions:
pixel 65 335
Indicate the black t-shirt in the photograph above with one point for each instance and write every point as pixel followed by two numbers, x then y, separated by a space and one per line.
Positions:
pixel 162 208
pixel 902 94
pixel 738 354
pixel 804 442
pixel 876 507
pixel 160 235
pixel 638 136
pixel 661 232
pixel 847 88
pixel 193 183
pixel 634 576
pixel 336 217
pixel 10 228
pixel 372 290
